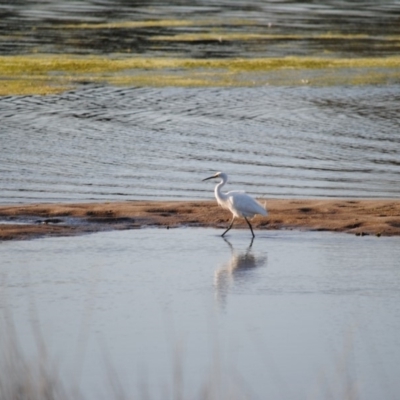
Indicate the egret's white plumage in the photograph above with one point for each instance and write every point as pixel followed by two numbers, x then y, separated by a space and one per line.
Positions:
pixel 240 204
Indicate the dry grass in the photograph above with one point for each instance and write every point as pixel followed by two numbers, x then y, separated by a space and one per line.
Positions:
pixel 37 379
pixel 22 378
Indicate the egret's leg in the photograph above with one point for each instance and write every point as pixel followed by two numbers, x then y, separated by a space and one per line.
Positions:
pixel 248 223
pixel 230 226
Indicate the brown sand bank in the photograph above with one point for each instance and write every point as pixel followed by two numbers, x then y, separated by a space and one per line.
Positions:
pixel 374 217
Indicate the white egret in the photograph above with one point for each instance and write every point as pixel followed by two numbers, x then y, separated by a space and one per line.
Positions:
pixel 240 204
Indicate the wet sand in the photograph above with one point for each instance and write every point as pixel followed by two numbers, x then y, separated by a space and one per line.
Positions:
pixel 360 217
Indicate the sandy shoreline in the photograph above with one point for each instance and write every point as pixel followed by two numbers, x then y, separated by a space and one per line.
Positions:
pixel 361 217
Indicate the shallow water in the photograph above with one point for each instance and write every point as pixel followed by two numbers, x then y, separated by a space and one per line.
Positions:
pixel 105 143
pixel 297 315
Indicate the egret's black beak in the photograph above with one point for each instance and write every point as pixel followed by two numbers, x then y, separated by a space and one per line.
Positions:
pixel 211 177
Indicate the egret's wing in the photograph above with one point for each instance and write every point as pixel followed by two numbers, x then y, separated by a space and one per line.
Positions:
pixel 244 204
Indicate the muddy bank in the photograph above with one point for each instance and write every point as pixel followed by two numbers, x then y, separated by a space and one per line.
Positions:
pixel 360 217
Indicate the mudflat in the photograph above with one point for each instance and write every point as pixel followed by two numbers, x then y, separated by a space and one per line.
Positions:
pixel 360 217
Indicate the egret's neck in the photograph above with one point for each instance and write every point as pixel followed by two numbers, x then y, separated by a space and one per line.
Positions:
pixel 219 195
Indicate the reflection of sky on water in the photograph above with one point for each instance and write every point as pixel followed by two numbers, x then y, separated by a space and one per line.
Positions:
pixel 320 302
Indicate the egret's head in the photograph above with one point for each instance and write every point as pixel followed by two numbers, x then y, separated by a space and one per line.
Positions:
pixel 220 175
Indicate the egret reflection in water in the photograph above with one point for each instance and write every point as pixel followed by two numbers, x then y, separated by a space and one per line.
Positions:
pixel 238 271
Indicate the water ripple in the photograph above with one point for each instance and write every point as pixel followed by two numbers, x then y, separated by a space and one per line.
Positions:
pixel 106 143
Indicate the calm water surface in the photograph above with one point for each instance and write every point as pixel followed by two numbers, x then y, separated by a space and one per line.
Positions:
pixel 297 315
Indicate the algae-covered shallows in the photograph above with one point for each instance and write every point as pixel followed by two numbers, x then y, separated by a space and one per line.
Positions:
pixel 48 74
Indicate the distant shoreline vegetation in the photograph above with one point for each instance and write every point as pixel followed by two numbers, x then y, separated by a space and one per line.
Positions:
pixel 43 74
